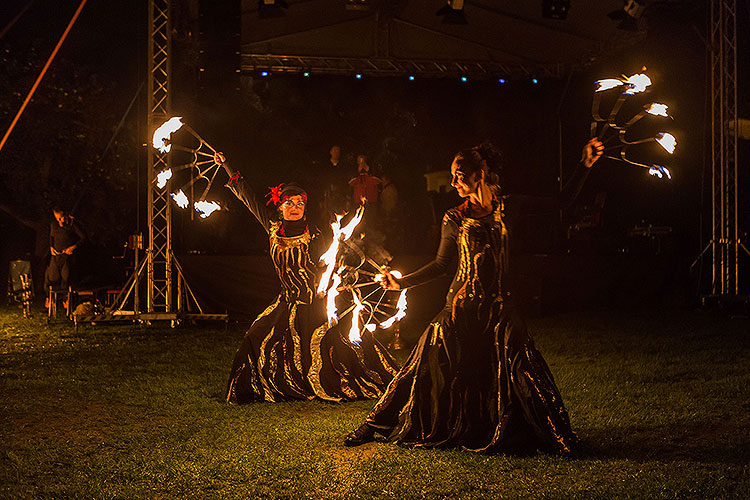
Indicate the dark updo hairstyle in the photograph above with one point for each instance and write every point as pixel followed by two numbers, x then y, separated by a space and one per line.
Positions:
pixel 485 158
pixel 288 190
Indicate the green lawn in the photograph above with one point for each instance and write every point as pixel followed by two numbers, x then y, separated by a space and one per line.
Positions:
pixel 660 400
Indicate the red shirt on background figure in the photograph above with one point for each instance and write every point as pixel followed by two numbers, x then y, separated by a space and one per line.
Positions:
pixel 365 185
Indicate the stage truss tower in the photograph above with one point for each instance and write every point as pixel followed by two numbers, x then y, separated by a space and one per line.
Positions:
pixel 725 244
pixel 159 253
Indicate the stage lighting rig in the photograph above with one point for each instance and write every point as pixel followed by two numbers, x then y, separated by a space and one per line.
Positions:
pixel 629 15
pixel 555 9
pixel 453 12
pixel 268 9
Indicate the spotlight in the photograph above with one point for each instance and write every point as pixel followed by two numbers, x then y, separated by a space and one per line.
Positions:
pixel 358 76
pixel 306 74
pixel 452 12
pixel 464 79
pixel 264 73
pixel 632 10
pixel 555 9
pixel 268 9
pixel 534 81
pixel 411 78
pixel 357 4
pixel 501 80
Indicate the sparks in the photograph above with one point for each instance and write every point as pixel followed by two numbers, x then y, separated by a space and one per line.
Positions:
pixel 636 84
pixel 206 208
pixel 400 311
pixel 163 133
pixel 180 198
pixel 667 141
pixel 607 83
pixel 657 109
pixel 162 178
pixel 660 172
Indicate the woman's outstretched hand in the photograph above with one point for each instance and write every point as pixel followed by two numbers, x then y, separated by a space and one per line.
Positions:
pixel 387 280
pixel 220 159
pixel 592 151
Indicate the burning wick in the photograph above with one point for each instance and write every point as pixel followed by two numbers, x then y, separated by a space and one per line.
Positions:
pixel 606 84
pixel 667 141
pixel 657 109
pixel 180 198
pixel 400 310
pixel 636 84
pixel 354 336
pixel 162 178
pixel 165 130
pixel 659 171
pixel 206 208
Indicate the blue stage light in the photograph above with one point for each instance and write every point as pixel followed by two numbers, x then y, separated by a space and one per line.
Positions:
pixel 501 80
pixel 264 73
pixel 358 76
pixel 534 81
pixel 464 79
pixel 411 78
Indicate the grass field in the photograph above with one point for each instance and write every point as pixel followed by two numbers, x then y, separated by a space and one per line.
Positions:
pixel 660 399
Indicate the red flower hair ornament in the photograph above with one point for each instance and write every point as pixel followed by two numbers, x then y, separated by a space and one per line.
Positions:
pixel 274 194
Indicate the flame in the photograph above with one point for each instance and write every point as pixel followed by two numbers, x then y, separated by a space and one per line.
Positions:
pixel 333 292
pixel 165 130
pixel 660 172
pixel 607 83
pixel 180 198
pixel 400 311
pixel 636 83
pixel 206 208
pixel 354 336
pixel 657 109
pixel 339 235
pixel 162 178
pixel 667 141
pixel 370 327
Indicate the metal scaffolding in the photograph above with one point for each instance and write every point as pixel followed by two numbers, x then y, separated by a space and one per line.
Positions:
pixel 159 252
pixel 725 235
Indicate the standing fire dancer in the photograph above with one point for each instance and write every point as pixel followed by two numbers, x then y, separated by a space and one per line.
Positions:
pixel 289 351
pixel 474 379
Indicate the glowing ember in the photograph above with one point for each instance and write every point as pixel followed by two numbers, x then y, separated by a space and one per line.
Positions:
pixel 667 141
pixel 162 178
pixel 607 83
pixel 206 208
pixel 333 292
pixel 400 311
pixel 659 171
pixel 165 130
pixel 354 336
pixel 180 198
pixel 636 84
pixel 657 109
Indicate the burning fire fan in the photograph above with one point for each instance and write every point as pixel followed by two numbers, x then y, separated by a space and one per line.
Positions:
pixel 347 284
pixel 615 129
pixel 202 160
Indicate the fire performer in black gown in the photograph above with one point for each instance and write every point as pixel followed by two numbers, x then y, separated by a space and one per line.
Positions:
pixel 474 379
pixel 289 352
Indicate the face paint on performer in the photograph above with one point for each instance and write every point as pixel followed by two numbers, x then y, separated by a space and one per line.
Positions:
pixel 465 184
pixel 293 207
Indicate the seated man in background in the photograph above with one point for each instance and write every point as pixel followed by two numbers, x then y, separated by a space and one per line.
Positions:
pixel 65 235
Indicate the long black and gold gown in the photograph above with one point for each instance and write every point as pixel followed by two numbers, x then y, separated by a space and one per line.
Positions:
pixel 289 352
pixel 474 379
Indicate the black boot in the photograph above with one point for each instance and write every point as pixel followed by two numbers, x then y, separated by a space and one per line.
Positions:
pixel 361 435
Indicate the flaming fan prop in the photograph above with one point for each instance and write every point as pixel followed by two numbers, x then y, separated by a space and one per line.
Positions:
pixel 347 283
pixel 614 129
pixel 202 161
